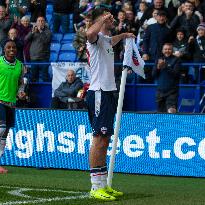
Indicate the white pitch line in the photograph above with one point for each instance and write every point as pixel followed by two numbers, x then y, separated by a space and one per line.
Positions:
pixel 33 188
pixel 41 200
pixel 45 200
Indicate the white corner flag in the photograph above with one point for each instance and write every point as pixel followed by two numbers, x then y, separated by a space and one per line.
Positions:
pixel 132 60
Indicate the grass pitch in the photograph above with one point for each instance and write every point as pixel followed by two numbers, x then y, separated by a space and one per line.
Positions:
pixel 59 187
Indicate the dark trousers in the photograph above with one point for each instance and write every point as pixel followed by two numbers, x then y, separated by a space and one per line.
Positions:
pixel 60 20
pixel 39 72
pixel 166 100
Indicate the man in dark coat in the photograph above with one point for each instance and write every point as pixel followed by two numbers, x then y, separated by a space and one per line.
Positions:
pixel 67 91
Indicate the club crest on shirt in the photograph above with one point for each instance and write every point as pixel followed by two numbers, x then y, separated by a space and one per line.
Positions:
pixel 104 130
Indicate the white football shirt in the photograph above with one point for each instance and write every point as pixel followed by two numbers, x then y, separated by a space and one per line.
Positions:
pixel 101 61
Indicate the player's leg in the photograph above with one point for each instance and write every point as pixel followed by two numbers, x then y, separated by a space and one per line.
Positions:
pixel 98 168
pixel 98 150
pixel 102 124
pixel 3 134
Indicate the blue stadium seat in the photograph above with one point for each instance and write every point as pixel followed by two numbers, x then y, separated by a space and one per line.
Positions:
pixel 55 47
pixel 67 57
pixel 67 47
pixel 57 37
pixel 49 9
pixel 68 37
pixel 53 57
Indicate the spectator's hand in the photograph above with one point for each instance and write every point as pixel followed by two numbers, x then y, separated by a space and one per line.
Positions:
pixel 21 95
pixel 120 26
pixel 145 57
pixel 15 19
pixel 177 54
pixel 34 29
pixel 33 2
pixel 108 17
pixel 118 3
pixel 191 39
pixel 161 64
pixel 179 11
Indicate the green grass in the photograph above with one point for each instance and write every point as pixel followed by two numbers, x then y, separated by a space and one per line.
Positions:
pixel 138 189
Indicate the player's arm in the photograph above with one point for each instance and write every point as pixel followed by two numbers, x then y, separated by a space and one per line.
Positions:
pixel 21 91
pixel 116 39
pixel 92 32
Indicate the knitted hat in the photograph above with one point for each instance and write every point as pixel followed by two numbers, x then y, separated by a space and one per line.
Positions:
pixel 201 26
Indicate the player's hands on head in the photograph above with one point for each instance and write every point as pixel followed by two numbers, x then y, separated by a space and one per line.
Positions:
pixel 108 17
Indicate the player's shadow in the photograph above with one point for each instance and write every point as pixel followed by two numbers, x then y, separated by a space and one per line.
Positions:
pixel 135 196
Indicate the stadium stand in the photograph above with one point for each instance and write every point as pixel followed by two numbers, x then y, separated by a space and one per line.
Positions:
pixel 68 37
pixel 53 56
pixel 67 57
pixel 67 47
pixel 57 37
pixel 55 47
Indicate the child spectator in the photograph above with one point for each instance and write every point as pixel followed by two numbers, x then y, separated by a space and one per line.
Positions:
pixel 142 9
pixel 197 48
pixel 79 42
pixel 180 50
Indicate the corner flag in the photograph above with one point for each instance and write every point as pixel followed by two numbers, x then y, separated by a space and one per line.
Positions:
pixel 132 60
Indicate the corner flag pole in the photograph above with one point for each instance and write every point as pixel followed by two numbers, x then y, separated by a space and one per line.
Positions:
pixel 117 126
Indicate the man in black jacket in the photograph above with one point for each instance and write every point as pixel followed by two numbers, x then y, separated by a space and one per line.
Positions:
pixel 166 72
pixel 67 92
pixel 155 36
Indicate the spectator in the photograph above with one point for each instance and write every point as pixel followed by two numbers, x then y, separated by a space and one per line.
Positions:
pixel 166 72
pixel 133 23
pixel 186 19
pixel 180 45
pixel 23 27
pixel 197 49
pixel 16 8
pixel 67 92
pixel 12 35
pixel 155 36
pixel 61 11
pixel 79 8
pixel 142 29
pixel 121 26
pixel 142 9
pixel 40 39
pixel 5 24
pixel 37 8
pixel 157 4
pixel 180 50
pixel 79 42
